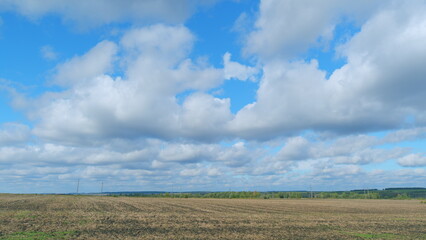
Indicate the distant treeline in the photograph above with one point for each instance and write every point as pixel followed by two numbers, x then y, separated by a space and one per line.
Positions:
pixel 388 193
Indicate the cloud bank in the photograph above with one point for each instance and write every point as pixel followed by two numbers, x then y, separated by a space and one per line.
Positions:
pixel 141 109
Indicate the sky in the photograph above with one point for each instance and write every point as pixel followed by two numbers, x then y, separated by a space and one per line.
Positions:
pixel 213 95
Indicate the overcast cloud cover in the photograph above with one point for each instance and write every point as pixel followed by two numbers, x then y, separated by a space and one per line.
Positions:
pixel 141 95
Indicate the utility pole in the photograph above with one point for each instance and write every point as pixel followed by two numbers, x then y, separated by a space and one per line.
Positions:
pixel 78 185
pixel 102 187
pixel 310 190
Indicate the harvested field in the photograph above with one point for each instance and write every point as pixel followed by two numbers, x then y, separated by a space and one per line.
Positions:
pixel 95 217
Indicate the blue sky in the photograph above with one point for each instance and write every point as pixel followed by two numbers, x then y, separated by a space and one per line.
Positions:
pixel 212 95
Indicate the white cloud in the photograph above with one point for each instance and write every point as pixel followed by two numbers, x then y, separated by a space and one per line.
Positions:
pixel 214 172
pixel 146 158
pixel 293 95
pixel 340 172
pixel 205 117
pixel 54 154
pixel 186 153
pixel 155 40
pixel 142 102
pixel 297 148
pixel 406 135
pixel 97 12
pixel 14 133
pixel 287 28
pixel 80 69
pixel 157 163
pixel 161 52
pixel 238 71
pixel 353 149
pixel 190 172
pixel 413 160
pixel 239 156
pixel 139 110
pixel 384 58
pixel 370 155
pixel 381 84
pixel 330 178
pixel 289 93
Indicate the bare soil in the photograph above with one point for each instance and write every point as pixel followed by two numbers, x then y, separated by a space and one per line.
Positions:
pixel 102 217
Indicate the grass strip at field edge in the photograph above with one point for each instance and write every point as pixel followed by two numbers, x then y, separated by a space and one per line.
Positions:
pixel 39 235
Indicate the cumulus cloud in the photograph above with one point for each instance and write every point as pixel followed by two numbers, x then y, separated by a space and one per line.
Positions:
pixel 239 156
pixel 97 12
pixel 299 89
pixel 288 28
pixel 186 153
pixel 204 116
pixel 140 103
pixel 297 148
pixel 139 109
pixel 381 84
pixel 293 95
pixel 353 149
pixel 80 69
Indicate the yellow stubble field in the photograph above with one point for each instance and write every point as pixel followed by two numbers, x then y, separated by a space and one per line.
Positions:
pixel 102 217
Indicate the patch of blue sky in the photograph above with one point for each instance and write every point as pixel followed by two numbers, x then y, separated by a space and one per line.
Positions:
pixel 310 135
pixel 22 65
pixel 380 134
pixel 8 114
pixel 409 121
pixel 214 29
pixel 326 54
pixel 241 93
pixel 21 43
pixel 387 165
pixel 302 171
pixel 272 149
pixel 416 146
pixel 180 97
pixel 215 35
pixel 20 46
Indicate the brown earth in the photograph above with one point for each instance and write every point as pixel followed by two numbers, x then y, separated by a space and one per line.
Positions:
pixel 101 217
